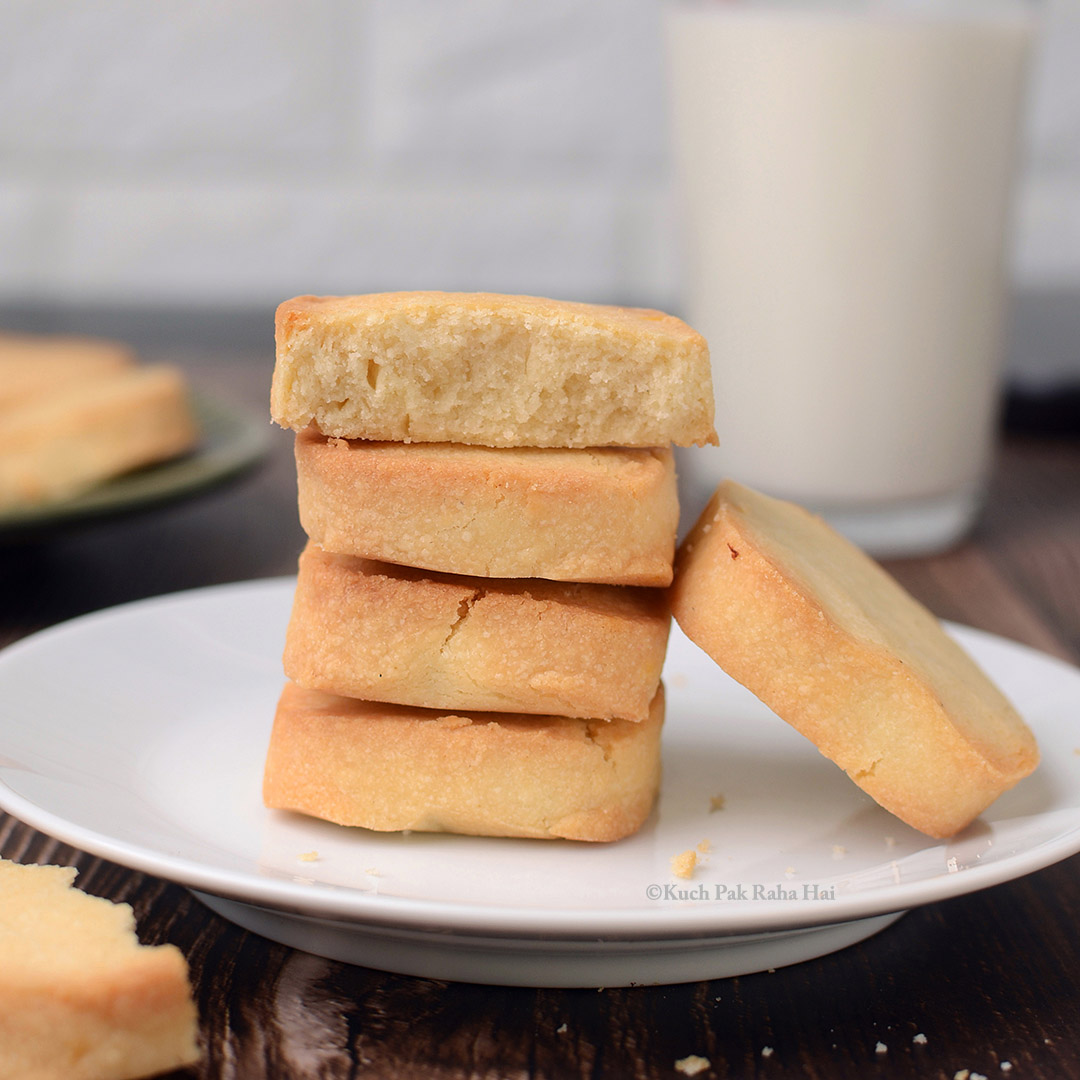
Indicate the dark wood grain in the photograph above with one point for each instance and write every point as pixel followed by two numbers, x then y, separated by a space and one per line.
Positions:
pixel 987 978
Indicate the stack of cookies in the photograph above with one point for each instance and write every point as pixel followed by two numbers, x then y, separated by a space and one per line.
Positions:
pixel 480 618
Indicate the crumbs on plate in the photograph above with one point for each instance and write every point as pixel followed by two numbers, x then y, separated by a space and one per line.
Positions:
pixel 683 865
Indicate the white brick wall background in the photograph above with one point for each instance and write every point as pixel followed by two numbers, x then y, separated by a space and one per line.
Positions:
pixel 232 152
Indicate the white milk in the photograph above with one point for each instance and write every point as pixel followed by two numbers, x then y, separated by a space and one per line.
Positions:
pixel 847 179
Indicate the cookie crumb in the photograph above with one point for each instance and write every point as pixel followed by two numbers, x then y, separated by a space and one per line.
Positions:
pixel 691 1065
pixel 716 803
pixel 308 856
pixel 920 1039
pixel 838 851
pixel 952 865
pixel 767 1051
pixel 683 865
pixel 789 871
pixel 890 841
pixel 704 846
pixel 881 1048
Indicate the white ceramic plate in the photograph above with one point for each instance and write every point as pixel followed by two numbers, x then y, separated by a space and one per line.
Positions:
pixel 138 734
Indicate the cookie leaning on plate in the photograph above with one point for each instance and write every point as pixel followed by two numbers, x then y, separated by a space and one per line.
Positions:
pixel 829 641
pixel 392 767
pixel 490 370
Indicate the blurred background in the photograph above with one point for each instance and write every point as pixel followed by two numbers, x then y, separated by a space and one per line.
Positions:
pixel 170 171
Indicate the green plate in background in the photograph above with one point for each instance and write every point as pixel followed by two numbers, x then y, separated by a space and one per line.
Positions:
pixel 231 442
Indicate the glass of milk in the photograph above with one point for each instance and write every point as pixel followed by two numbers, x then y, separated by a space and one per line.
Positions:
pixel 845 173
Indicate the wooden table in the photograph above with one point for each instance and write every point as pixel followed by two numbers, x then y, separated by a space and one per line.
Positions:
pixel 988 978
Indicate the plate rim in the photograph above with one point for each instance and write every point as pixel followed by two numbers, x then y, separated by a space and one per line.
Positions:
pixel 362 907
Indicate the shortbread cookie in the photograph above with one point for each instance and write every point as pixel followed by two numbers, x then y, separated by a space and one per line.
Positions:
pixel 91 432
pixel 837 648
pixel 389 767
pixel 490 370
pixel 34 368
pixel 393 633
pixel 605 515
pixel 80 998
